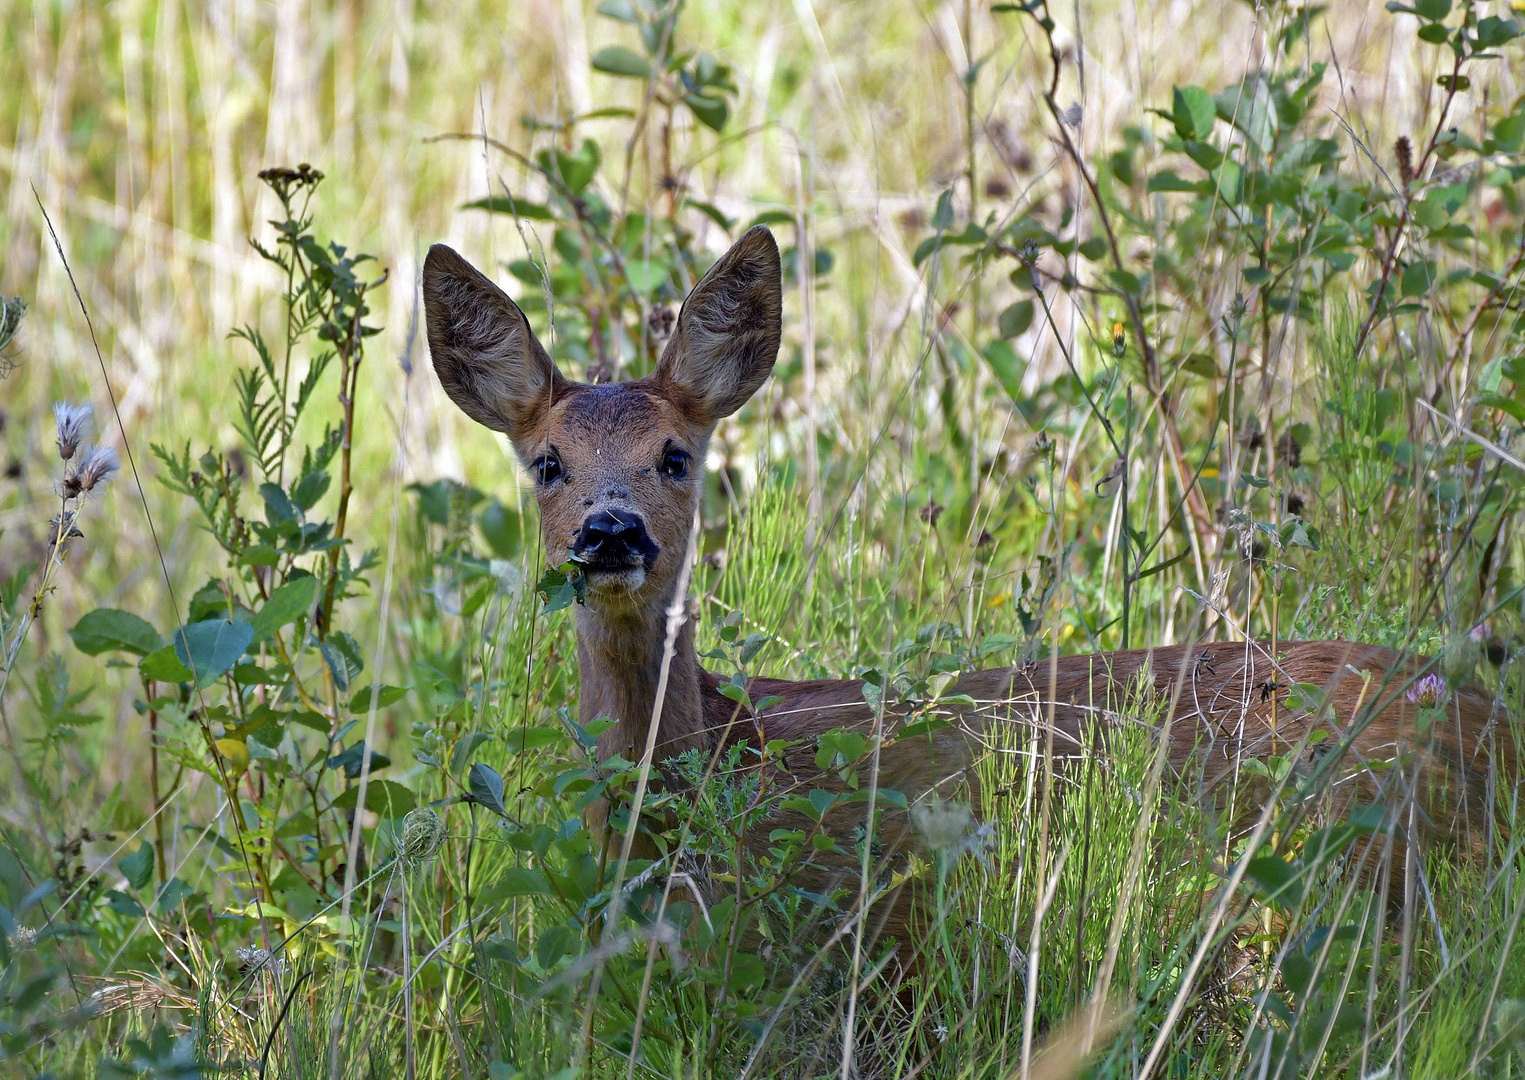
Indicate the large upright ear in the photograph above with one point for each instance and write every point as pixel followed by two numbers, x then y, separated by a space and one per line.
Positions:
pixel 728 330
pixel 484 352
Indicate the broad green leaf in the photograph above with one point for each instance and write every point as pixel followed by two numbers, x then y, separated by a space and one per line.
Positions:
pixel 385 695
pixel 1016 319
pixel 109 628
pixel 163 665
pixel 138 868
pixel 521 739
pixel 386 798
pixel 1007 367
pixel 1193 112
pixel 211 647
pixel 486 788
pixel 712 112
pixel 286 605
pixel 620 61
pixel 624 11
pixel 465 748
pixel 518 881
pixel 646 275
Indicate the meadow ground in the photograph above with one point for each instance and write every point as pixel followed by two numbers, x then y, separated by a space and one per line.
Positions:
pixel 1105 325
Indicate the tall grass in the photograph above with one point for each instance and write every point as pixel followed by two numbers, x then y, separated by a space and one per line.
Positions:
pixel 902 495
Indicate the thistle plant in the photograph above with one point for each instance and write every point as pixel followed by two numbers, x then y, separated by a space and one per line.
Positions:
pixel 86 468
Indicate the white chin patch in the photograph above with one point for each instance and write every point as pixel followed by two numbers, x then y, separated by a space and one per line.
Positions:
pixel 613 584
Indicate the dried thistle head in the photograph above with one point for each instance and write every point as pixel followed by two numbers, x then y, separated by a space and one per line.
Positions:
pixel 96 466
pixel 73 423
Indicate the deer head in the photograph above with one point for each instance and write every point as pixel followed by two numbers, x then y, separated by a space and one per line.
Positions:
pixel 618 467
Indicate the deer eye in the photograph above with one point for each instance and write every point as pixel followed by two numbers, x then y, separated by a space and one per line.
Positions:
pixel 675 462
pixel 547 468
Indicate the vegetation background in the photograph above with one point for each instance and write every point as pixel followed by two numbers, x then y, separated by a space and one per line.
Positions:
pixel 1170 341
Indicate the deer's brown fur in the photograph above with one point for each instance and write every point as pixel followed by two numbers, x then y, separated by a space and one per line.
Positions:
pixel 1225 701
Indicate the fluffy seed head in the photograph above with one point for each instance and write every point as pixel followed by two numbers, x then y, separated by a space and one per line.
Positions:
pixel 96 466
pixel 73 425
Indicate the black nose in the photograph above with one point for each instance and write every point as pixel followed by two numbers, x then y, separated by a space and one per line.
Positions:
pixel 614 538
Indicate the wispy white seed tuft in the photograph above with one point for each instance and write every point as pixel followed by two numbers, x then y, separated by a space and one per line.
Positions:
pixel 96 466
pixel 73 423
pixel 99 465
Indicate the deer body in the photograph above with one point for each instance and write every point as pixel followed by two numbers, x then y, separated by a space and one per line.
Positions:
pixel 618 469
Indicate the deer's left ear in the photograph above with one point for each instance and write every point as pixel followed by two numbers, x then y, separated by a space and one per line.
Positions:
pixel 728 331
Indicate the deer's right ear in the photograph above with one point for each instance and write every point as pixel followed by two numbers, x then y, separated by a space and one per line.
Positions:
pixel 484 352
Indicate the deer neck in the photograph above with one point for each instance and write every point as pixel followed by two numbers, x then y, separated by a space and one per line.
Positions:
pixel 620 661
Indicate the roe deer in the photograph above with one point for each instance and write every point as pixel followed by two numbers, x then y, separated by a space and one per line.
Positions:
pixel 618 469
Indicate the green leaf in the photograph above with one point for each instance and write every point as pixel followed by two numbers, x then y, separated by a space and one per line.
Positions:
pixel 821 801
pixel 385 798
pixel 576 170
pixel 1494 31
pixel 1434 33
pixel 353 760
pixel 1200 364
pixel 647 275
pixel 1094 249
pixel 620 61
pixel 486 788
pixel 1306 697
pixel 278 507
pixel 507 204
pixel 1016 319
pixel 1508 405
pixel 308 490
pixel 385 695
pixel 1417 278
pixel 942 217
pixel 1432 9
pixel 518 881
pixel 532 737
pixel 997 643
pixel 123 904
pixel 1276 878
pixel 560 588
pixel 1193 112
pixel 624 11
pixel 259 555
pixel 1007 367
pixel 712 112
pixel 713 212
pixel 109 628
pixel 162 665
pixel 286 605
pixel 138 868
pixel 1167 180
pixel 211 647
pixel 465 748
